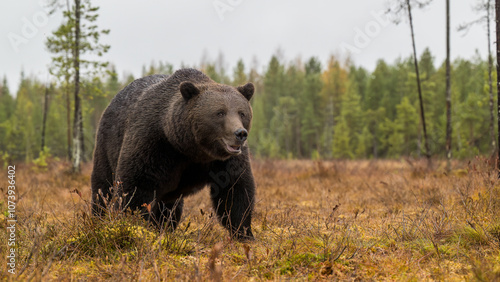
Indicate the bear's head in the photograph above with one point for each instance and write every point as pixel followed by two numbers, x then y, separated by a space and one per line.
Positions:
pixel 220 117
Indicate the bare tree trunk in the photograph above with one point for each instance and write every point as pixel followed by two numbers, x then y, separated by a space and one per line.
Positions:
pixel 297 140
pixel 68 117
pixel 448 89
pixel 82 142
pixel 68 100
pixel 490 81
pixel 77 121
pixel 497 15
pixel 422 113
pixel 330 125
pixel 419 140
pixel 44 118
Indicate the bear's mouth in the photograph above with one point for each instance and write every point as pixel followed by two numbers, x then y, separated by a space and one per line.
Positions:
pixel 233 149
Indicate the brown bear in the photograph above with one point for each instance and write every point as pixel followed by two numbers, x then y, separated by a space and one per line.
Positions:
pixel 166 137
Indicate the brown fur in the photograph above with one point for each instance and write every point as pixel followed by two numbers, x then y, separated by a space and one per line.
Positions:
pixel 166 137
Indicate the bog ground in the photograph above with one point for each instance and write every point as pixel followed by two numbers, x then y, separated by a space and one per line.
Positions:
pixel 356 220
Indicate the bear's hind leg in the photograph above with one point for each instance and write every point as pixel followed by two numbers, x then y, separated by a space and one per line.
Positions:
pixel 101 181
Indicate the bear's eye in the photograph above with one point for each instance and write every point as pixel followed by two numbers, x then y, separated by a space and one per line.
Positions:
pixel 242 115
pixel 221 114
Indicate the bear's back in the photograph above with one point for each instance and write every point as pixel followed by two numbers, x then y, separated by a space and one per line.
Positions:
pixel 114 119
pixel 129 95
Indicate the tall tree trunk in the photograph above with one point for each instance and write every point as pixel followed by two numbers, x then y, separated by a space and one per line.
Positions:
pixel 448 89
pixel 490 81
pixel 68 117
pixel 422 113
pixel 419 140
pixel 77 121
pixel 68 99
pixel 497 15
pixel 82 142
pixel 44 118
pixel 298 149
pixel 330 125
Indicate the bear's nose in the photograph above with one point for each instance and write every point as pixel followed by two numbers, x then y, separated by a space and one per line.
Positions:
pixel 241 134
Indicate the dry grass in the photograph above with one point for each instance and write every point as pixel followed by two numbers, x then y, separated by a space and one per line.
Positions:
pixel 356 220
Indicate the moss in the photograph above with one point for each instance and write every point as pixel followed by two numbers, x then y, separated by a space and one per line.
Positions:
pixel 494 230
pixel 287 268
pixel 305 260
pixel 104 238
pixel 468 236
pixel 178 244
pixel 268 275
pixel 238 259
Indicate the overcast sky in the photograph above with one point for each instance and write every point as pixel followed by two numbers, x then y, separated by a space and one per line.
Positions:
pixel 181 31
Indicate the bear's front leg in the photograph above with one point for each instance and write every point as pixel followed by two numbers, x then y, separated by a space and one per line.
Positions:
pixel 168 214
pixel 232 190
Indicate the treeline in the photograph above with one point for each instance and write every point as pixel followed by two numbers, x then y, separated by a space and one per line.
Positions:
pixel 343 111
pixel 302 109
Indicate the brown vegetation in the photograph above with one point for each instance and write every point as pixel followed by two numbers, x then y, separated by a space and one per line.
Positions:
pixel 368 220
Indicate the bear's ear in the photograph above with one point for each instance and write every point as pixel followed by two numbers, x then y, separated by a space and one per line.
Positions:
pixel 247 90
pixel 188 90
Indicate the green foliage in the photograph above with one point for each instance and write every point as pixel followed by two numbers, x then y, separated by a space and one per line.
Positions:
pixel 20 132
pixel 300 109
pixel 121 235
pixel 6 110
pixel 315 156
pixel 41 162
pixel 6 159
pixel 365 140
pixel 311 119
pixel 239 75
pixel 341 142
pixel 160 68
